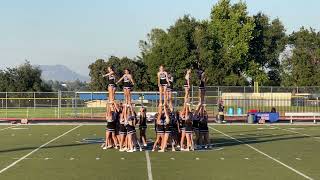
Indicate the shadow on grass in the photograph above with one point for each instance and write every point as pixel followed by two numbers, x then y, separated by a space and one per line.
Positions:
pixel 45 147
pixel 251 138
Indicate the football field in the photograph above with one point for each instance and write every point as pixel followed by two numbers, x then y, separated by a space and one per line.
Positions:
pixel 51 152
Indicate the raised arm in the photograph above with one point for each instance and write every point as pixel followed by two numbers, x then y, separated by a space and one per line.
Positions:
pixel 116 107
pixel 159 114
pixel 124 112
pixel 166 112
pixel 167 115
pixel 198 108
pixel 108 74
pixel 120 79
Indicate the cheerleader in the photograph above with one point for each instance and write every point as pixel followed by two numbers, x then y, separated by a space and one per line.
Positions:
pixel 182 121
pixel 118 109
pixel 127 85
pixel 111 128
pixel 123 129
pixel 178 128
pixel 188 129
pixel 171 128
pixel 111 83
pixel 174 125
pixel 169 91
pixel 143 126
pixel 159 128
pixel 203 128
pixel 195 125
pixel 132 140
pixel 167 129
pixel 163 82
pixel 187 86
pixel 202 89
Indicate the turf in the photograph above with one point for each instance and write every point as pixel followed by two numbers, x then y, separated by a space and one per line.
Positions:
pixel 69 158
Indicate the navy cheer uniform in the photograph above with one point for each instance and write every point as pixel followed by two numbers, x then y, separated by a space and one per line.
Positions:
pixel 203 125
pixel 173 123
pixel 195 122
pixel 163 79
pixel 130 126
pixel 188 123
pixel 111 124
pixel 127 83
pixel 160 127
pixel 143 122
pixel 117 122
pixel 112 80
pixel 122 127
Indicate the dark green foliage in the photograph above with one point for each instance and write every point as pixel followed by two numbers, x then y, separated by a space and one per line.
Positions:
pixel 24 78
pixel 302 66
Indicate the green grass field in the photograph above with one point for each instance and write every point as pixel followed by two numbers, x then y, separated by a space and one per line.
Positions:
pixel 54 152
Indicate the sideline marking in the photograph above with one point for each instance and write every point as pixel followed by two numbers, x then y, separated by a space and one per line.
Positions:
pixel 8 127
pixel 148 166
pixel 257 150
pixel 18 128
pixel 35 150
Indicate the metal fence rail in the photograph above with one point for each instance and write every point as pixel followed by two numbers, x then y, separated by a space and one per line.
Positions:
pixel 236 100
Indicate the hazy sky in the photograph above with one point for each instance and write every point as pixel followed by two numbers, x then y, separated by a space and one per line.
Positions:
pixel 77 32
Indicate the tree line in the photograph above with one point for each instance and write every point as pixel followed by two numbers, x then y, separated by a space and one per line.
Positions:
pixel 24 78
pixel 27 78
pixel 233 48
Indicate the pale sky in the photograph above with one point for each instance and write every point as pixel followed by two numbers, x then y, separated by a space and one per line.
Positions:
pixel 77 32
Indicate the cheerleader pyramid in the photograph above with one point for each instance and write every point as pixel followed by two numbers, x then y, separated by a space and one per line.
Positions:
pixel 174 129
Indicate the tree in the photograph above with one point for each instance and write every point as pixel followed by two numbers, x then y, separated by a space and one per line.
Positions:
pixel 219 46
pixel 97 69
pixel 268 42
pixel 232 28
pixel 175 49
pixel 24 78
pixel 302 66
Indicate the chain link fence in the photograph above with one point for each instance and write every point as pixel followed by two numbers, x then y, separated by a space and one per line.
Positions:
pixel 92 105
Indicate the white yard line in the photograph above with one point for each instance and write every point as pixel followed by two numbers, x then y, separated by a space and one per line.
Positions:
pixel 8 127
pixel 148 166
pixel 257 150
pixel 296 132
pixel 35 150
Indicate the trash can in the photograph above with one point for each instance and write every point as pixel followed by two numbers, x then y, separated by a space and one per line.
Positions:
pixel 239 111
pixel 230 111
pixel 251 118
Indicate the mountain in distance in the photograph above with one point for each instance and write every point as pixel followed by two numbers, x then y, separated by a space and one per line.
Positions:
pixel 60 73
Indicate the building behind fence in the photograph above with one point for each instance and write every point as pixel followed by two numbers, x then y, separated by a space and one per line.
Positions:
pixel 88 105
